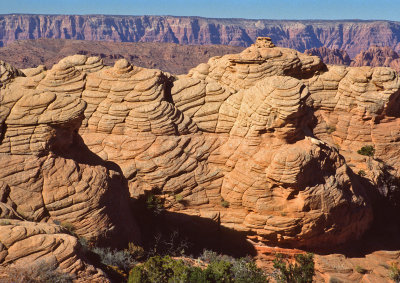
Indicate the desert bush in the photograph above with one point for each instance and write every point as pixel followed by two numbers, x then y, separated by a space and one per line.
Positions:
pixel 137 252
pixel 37 272
pixel 224 203
pixel 159 269
pixel 154 203
pixel 394 272
pixel 302 271
pixel 367 150
pixel 118 258
pixel 219 271
pixel 174 245
pixel 165 269
pixel 245 270
pixel 178 197
pixel 360 269
pixel 67 226
pixel 208 256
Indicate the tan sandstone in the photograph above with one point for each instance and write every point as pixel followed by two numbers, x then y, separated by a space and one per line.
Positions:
pixel 261 142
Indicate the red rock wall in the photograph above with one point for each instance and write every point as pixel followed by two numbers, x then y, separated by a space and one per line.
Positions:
pixel 351 36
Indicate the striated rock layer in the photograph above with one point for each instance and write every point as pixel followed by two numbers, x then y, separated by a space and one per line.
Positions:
pixel 262 142
pixel 170 57
pixel 352 36
pixel 331 56
pixel 47 174
pixel 23 243
pixel 377 56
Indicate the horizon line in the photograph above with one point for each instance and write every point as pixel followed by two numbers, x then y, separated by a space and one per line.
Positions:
pixel 177 16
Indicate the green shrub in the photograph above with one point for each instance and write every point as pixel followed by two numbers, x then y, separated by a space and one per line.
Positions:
pixel 245 270
pixel 165 269
pixel 224 203
pixel 197 275
pixel 154 203
pixel 159 270
pixel 302 271
pixel 360 269
pixel 209 256
pixel 394 272
pixel 178 197
pixel 367 150
pixel 219 271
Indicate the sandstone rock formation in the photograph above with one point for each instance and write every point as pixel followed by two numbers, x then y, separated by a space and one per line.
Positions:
pixel 377 56
pixel 363 110
pixel 340 267
pixel 48 174
pixel 352 36
pixel 331 56
pixel 24 242
pixel 262 142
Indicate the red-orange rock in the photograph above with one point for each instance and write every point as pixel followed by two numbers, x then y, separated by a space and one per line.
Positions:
pixel 246 140
pixel 377 57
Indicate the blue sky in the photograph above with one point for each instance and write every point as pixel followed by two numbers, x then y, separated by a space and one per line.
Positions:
pixel 255 9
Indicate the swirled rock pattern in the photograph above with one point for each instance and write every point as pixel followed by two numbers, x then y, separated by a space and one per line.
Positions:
pixel 47 173
pixel 247 140
pixel 24 242
pixel 356 107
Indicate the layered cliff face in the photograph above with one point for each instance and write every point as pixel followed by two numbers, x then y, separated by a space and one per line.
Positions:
pixel 331 56
pixel 262 142
pixel 351 36
pixel 170 57
pixel 377 56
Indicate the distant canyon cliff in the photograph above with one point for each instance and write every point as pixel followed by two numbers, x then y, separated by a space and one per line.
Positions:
pixel 353 36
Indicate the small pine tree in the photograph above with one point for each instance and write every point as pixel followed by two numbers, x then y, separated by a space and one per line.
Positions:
pixel 367 150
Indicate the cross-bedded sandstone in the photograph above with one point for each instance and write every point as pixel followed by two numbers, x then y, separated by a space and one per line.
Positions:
pixel 251 131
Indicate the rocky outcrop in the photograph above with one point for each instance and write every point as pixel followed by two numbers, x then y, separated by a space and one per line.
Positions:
pixel 376 57
pixel 362 111
pixel 331 56
pixel 23 243
pixel 204 136
pixel 352 36
pixel 262 142
pixel 48 174
pixel 342 266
